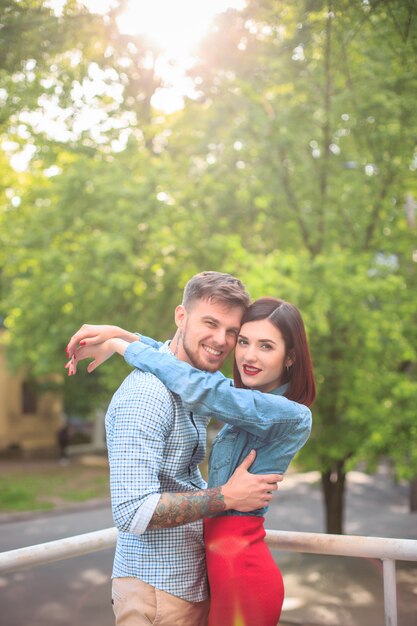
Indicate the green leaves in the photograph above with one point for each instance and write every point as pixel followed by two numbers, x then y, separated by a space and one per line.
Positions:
pixel 290 169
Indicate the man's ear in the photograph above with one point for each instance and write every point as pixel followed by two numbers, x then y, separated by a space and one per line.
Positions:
pixel 180 315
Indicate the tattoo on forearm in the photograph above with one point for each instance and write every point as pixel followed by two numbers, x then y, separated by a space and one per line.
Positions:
pixel 176 509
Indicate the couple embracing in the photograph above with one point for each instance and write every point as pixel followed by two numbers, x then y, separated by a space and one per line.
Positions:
pixel 190 553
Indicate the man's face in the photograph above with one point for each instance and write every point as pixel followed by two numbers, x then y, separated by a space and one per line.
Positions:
pixel 209 332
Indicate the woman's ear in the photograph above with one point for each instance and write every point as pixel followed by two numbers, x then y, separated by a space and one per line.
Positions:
pixel 180 315
pixel 290 360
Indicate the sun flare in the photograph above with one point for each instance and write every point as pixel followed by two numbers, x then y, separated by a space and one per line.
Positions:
pixel 175 26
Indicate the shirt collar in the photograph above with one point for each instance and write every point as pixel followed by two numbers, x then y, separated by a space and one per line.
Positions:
pixel 279 391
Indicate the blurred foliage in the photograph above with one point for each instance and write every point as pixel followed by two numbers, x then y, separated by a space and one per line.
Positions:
pixel 294 168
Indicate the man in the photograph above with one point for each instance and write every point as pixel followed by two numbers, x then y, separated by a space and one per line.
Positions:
pixel 155 446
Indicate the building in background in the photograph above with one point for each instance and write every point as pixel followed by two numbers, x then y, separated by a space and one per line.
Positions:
pixel 30 413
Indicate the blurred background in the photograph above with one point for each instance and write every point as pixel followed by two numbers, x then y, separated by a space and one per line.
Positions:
pixel 142 142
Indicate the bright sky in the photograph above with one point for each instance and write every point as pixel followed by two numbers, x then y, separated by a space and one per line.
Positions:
pixel 176 26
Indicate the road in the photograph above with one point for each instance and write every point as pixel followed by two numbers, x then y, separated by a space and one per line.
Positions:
pixel 74 592
pixel 344 591
pixel 329 591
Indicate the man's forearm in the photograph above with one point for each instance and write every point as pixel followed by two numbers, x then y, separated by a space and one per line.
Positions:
pixel 176 509
pixel 243 492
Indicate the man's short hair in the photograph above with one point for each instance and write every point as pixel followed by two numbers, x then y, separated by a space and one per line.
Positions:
pixel 216 287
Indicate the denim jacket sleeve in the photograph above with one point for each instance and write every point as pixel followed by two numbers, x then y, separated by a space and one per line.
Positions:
pixel 152 343
pixel 206 393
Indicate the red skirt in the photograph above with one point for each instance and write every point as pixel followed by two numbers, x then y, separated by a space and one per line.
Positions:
pixel 246 586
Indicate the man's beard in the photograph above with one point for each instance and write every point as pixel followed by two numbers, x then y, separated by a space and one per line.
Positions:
pixel 195 359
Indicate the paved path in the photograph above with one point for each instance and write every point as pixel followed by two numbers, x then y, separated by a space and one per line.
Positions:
pixel 70 592
pixel 320 590
pixel 344 591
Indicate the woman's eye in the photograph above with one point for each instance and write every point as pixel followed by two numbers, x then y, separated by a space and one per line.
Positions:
pixel 242 342
pixel 266 346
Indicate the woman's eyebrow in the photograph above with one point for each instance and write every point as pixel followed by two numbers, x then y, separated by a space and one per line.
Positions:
pixel 258 340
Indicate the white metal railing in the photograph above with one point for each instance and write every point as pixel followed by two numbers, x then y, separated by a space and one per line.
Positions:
pixel 388 550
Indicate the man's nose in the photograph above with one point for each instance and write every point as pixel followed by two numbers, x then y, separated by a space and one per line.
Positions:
pixel 220 336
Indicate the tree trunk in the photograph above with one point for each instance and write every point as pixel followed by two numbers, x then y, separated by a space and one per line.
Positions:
pixel 413 495
pixel 333 482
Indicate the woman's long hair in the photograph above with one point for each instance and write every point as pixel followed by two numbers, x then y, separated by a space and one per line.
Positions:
pixel 287 319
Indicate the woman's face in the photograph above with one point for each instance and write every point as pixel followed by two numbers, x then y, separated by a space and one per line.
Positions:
pixel 260 355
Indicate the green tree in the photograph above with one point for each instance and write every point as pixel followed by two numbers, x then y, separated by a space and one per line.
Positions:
pixel 290 169
pixel 307 149
pixel 355 309
pixel 71 230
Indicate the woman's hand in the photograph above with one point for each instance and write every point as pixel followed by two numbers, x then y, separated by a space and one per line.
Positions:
pixel 98 352
pixel 93 334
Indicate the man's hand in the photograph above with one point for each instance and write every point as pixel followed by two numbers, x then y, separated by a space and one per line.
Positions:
pixel 246 492
pixel 243 492
pixel 93 334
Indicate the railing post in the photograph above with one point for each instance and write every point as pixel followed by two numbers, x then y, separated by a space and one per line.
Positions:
pixel 390 593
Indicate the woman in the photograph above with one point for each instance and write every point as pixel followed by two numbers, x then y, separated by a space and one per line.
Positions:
pixel 271 356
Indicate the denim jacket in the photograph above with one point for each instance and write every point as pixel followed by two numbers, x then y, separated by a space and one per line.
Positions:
pixel 267 422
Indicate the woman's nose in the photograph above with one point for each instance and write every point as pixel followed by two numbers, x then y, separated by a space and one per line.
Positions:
pixel 250 354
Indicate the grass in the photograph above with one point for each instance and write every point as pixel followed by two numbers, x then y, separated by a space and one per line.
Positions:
pixel 45 486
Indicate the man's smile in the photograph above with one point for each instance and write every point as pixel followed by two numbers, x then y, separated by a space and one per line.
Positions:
pixel 211 350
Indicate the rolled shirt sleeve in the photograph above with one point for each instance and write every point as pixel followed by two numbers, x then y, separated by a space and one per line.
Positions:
pixel 138 422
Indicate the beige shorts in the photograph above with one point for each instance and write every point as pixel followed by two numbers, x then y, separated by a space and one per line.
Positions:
pixel 135 603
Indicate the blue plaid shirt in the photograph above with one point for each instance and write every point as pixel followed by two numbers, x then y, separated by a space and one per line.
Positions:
pixel 155 446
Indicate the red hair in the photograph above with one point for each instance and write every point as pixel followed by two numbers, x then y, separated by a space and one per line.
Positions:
pixel 287 319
